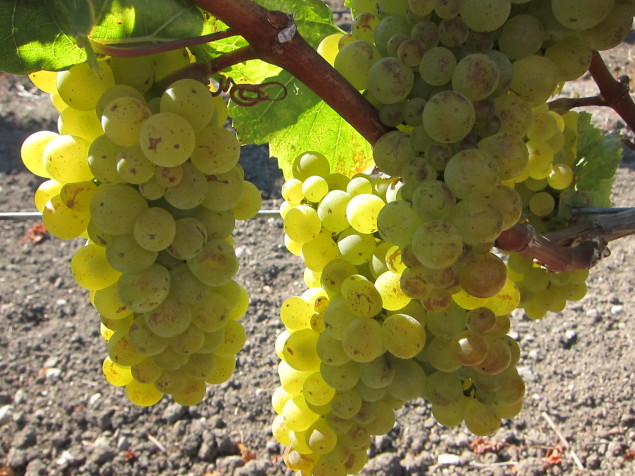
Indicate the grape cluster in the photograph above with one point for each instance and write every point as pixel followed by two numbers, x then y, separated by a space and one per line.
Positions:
pixel 369 335
pixel 152 182
pixel 406 297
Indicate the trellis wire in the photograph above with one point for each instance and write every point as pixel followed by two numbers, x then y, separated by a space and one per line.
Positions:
pixel 38 215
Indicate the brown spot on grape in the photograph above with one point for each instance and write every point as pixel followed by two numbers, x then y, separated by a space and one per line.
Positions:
pixel 153 143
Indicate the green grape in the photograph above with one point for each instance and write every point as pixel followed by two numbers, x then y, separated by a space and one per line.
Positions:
pixel 450 415
pixel 488 15
pixel 440 355
pixel 279 397
pixel 509 204
pixel 571 56
pixel 316 391
pixel 189 341
pixel 469 348
pixel 329 46
pixel 356 248
pixel 91 269
pixel 392 152
pixel 291 379
pixel 542 204
pixel 315 188
pixel 45 192
pixel 45 80
pixel 362 340
pixel 514 113
pixel 498 357
pixel 217 224
pixel 169 360
pixel 62 221
pixel 447 323
pixel 144 340
pixel 346 404
pixel 224 190
pixel 320 251
pixel 211 313
pixel 171 381
pixel 121 351
pixel 77 195
pixel 512 389
pixel 78 123
pixel 362 212
pixel 144 290
pixel 330 350
pixel 394 42
pixel 32 151
pixel 154 229
pixel 215 264
pixel 116 374
pixel 191 100
pixel 108 304
pixel 390 81
pixel 481 320
pixel 236 296
pixel 102 160
pixel 476 76
pixel 297 415
pixel 137 72
pixel 443 389
pixel 167 139
pixel 332 210
pixel 561 177
pixel 296 313
pixel 115 92
pixel 481 419
pixel 478 220
pixel 361 296
pixel 309 164
pixel 534 78
pixel 168 176
pixel 169 62
pixel 522 35
pixel 413 283
pixel 421 7
pixel 191 394
pixel 433 200
pixel 484 275
pixel 510 153
pixel 292 190
pixel 123 119
pixel 133 166
pixel 437 65
pixel 191 190
pixel 437 244
pixel 448 116
pixel 64 158
pixel 358 185
pixel 389 288
pixel 409 380
pixel 302 224
pixel 125 255
pixel 190 236
pixel 580 15
pixel 611 31
pixel 364 25
pixel 82 86
pixel 403 335
pixel 387 27
pixel 453 32
pixel 115 207
pixel 299 349
pixel 169 318
pixel 354 61
pixel 397 222
pixel 540 159
pixel 410 52
pixel 211 341
pixel 216 151
pixel 334 273
pixel 471 172
pixel 143 394
pixel 322 439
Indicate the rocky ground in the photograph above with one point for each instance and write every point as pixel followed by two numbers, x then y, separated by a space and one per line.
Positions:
pixel 59 417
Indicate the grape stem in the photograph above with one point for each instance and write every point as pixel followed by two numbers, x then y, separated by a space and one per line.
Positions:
pixel 136 51
pixel 274 39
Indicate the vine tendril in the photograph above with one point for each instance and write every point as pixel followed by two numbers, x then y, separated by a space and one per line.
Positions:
pixel 249 94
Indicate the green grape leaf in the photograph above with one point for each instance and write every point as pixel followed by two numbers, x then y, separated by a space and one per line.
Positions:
pixel 599 157
pixel 321 129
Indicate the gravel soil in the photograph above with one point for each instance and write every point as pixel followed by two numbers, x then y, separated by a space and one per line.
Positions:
pixel 58 416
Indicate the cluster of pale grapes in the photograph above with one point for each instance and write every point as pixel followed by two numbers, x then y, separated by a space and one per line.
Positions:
pixel 374 331
pixel 152 182
pixel 407 297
